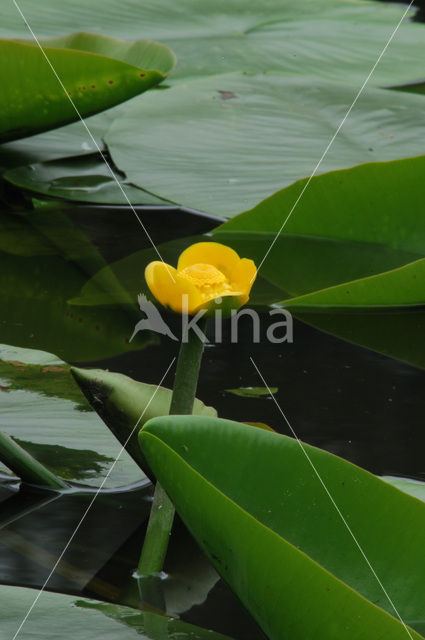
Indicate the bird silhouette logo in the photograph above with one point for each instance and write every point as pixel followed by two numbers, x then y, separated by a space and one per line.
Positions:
pixel 153 321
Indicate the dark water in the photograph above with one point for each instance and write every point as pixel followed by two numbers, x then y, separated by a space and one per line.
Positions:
pixel 358 404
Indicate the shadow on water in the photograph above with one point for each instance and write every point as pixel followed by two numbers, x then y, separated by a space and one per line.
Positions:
pixel 351 401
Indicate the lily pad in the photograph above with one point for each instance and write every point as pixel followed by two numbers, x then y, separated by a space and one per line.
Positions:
pixel 82 178
pixel 317 38
pixel 270 133
pixel 252 392
pixel 44 410
pixel 82 618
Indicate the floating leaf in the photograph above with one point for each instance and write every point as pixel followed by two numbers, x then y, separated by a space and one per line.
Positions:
pixel 238 151
pixel 252 392
pixel 83 178
pixel 151 625
pixel 80 619
pixel 45 412
pixel 317 38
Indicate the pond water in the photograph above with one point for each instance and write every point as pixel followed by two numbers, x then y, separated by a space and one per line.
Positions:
pixel 363 406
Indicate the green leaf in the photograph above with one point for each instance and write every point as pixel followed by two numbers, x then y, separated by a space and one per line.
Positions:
pixel 319 262
pixel 400 288
pixel 83 178
pixel 70 140
pixel 145 54
pixel 352 219
pixel 303 43
pixel 327 39
pixel 123 403
pixel 36 101
pixel 252 392
pixel 151 625
pixel 256 506
pixel 45 412
pixel 73 139
pixel 81 619
pixel 241 149
pixel 353 205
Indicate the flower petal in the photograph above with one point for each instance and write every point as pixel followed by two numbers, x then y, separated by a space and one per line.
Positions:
pixel 222 257
pixel 242 277
pixel 159 277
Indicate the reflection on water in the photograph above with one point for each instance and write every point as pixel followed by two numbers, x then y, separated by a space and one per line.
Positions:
pixel 353 402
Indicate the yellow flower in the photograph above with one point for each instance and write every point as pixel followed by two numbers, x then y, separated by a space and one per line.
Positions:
pixel 209 275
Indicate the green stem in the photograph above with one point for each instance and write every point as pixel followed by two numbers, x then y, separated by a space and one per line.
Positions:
pixel 187 373
pixel 25 466
pixel 162 512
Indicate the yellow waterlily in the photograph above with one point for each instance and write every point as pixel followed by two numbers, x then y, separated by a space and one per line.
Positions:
pixel 209 275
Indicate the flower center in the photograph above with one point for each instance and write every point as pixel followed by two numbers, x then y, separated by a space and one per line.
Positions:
pixel 208 279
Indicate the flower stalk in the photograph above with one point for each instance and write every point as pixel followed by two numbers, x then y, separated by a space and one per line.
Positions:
pixel 162 512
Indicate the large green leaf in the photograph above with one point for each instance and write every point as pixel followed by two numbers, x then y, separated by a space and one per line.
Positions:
pixel 321 40
pixel 245 136
pixel 332 39
pixel 35 100
pixel 256 506
pixel 82 619
pixel 123 403
pixel 357 205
